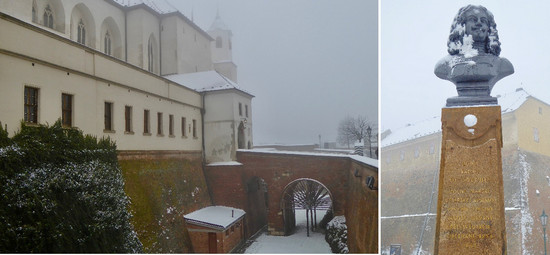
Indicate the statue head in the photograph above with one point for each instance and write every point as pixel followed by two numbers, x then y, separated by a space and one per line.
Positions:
pixel 477 22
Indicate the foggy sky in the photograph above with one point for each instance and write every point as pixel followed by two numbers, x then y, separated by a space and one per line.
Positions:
pixel 309 63
pixel 414 37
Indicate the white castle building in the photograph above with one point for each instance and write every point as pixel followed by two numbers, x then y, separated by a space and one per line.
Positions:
pixel 138 71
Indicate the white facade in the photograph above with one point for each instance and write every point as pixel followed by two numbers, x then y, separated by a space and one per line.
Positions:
pixel 227 117
pixel 105 59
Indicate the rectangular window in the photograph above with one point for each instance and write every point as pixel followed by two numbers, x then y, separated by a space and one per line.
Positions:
pixel 246 110
pixel 195 128
pixel 146 129
pixel 159 123
pixel 240 109
pixel 108 116
pixel 128 119
pixel 171 125
pixel 31 105
pixel 183 125
pixel 67 110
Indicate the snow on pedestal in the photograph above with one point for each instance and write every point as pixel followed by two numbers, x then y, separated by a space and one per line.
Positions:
pixel 215 216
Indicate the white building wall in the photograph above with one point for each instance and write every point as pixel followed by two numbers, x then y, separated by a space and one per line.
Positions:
pixel 222 122
pixel 92 78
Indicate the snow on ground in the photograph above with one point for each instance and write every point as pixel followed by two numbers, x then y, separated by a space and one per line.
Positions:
pixel 296 243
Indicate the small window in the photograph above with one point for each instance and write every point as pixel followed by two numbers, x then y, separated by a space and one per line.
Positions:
pixel 146 126
pixel 536 134
pixel 240 109
pixel 218 42
pixel 417 152
pixel 194 128
pixel 150 56
pixel 246 110
pixel 171 125
pixel 81 33
pixel 31 105
pixel 402 156
pixel 48 17
pixel 159 123
pixel 67 110
pixel 227 232
pixel 540 110
pixel 34 17
pixel 128 119
pixel 432 148
pixel 183 125
pixel 108 116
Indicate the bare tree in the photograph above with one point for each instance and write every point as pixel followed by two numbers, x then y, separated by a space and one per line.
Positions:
pixel 352 129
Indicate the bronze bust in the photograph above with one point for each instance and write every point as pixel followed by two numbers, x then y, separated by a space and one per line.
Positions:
pixel 473 63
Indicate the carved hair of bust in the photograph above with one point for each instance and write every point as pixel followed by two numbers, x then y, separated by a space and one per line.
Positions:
pixel 492 44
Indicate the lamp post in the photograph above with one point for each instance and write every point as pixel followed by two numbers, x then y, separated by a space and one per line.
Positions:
pixel 544 221
pixel 369 130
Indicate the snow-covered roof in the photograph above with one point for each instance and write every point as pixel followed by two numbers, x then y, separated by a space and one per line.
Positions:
pixel 205 81
pixel 160 6
pixel 362 159
pixel 508 102
pixel 219 217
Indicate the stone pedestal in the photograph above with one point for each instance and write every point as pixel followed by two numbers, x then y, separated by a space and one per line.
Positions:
pixel 470 208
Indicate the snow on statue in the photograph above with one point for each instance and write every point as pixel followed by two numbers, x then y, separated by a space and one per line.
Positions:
pixel 473 65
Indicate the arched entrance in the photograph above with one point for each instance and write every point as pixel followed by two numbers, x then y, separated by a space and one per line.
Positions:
pixel 309 195
pixel 240 136
pixel 256 191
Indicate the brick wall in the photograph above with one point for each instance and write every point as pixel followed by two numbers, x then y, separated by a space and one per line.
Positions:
pixel 351 197
pixel 163 186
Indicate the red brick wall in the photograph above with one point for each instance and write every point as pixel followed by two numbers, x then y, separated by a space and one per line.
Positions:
pixel 227 183
pixel 362 210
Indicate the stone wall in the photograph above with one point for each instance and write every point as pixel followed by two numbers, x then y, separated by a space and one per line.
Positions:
pixel 163 186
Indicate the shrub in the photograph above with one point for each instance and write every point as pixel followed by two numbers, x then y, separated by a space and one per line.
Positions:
pixel 337 235
pixel 62 192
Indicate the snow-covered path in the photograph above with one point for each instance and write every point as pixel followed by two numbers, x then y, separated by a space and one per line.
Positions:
pixel 296 243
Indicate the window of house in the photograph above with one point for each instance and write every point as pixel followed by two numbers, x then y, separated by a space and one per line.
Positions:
pixel 107 43
pixel 81 33
pixel 48 17
pixel 67 110
pixel 183 125
pixel 402 156
pixel 31 105
pixel 128 119
pixel 246 110
pixel 218 42
pixel 540 110
pixel 240 109
pixel 536 134
pixel 195 128
pixel 416 152
pixel 146 129
pixel 150 55
pixel 159 123
pixel 108 116
pixel 432 148
pixel 171 125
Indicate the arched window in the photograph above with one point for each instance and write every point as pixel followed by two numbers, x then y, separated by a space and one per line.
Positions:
pixel 48 17
pixel 81 35
pixel 150 56
pixel 34 17
pixel 107 43
pixel 218 42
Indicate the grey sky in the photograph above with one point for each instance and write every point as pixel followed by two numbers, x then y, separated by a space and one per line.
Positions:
pixel 308 62
pixel 414 37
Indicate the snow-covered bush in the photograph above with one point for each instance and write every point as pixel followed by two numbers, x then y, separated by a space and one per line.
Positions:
pixel 337 235
pixel 62 192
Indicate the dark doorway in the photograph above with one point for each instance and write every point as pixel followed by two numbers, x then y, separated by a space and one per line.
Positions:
pixel 212 243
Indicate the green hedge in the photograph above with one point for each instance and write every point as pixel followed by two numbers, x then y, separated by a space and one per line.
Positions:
pixel 62 191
